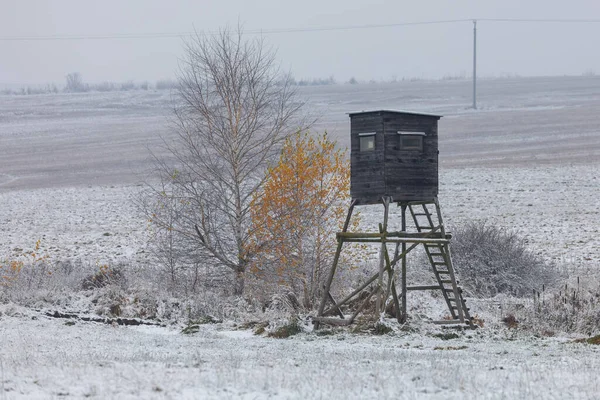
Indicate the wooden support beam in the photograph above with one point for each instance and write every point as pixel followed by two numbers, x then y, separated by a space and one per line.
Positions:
pixel 344 322
pixel 405 240
pixel 449 322
pixel 404 253
pixel 335 305
pixel 424 287
pixel 387 235
pixel 354 293
pixel 360 308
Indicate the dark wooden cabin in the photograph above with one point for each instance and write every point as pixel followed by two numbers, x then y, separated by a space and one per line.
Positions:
pixel 393 153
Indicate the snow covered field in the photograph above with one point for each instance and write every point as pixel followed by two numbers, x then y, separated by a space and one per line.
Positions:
pixel 553 207
pixel 70 164
pixel 44 358
pixel 102 138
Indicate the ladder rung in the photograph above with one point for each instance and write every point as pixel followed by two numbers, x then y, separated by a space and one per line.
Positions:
pixel 436 254
pixel 439 263
pixel 421 214
pixel 443 272
pixel 446 281
pixel 449 290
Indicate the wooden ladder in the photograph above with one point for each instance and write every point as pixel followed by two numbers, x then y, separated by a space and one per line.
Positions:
pixel 440 259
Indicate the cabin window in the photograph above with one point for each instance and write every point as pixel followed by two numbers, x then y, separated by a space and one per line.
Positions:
pixel 411 140
pixel 367 141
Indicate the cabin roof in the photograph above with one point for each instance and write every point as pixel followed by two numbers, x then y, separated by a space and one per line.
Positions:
pixel 396 112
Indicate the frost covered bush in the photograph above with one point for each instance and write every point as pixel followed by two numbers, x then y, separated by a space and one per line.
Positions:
pixel 43 280
pixel 104 276
pixel 492 260
pixel 570 309
pixel 74 83
pixel 290 328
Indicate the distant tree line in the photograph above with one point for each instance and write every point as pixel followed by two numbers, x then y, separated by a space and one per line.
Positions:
pixel 74 83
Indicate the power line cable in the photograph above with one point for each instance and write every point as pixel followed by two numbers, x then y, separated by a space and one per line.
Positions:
pixel 559 20
pixel 250 32
pixel 161 35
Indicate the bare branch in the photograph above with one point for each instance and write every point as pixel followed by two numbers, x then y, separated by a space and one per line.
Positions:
pixel 234 110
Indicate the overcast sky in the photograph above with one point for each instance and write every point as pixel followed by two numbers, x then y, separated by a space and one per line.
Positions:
pixel 424 51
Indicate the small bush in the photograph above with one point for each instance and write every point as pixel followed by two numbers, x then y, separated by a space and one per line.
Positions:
pixel 381 329
pixel 75 83
pixel 193 326
pixel 261 328
pixel 290 329
pixel 105 275
pixel 285 301
pixel 492 260
pixel 570 309
pixel 191 329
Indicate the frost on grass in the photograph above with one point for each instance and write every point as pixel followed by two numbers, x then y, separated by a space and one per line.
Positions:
pixel 43 357
pixel 550 207
pixel 492 260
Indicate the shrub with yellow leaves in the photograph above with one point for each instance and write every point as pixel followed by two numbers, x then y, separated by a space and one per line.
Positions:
pixel 10 269
pixel 296 214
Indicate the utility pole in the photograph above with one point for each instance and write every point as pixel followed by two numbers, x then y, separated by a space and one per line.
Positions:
pixel 475 64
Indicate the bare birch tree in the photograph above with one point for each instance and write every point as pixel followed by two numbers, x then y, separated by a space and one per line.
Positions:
pixel 234 110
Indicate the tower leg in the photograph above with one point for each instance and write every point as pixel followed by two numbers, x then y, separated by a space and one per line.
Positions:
pixel 380 300
pixel 336 259
pixel 391 287
pixel 403 311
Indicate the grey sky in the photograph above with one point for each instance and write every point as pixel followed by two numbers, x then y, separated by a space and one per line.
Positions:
pixel 428 51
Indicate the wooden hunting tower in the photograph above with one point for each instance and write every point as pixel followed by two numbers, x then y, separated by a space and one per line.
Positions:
pixel 394 159
pixel 395 154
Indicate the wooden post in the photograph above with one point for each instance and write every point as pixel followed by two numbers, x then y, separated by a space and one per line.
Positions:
pixel 392 282
pixel 380 302
pixel 475 64
pixel 403 316
pixel 336 259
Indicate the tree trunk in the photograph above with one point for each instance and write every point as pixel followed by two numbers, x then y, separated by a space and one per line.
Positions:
pixel 238 283
pixel 308 299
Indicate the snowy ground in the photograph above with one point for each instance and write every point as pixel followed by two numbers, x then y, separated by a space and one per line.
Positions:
pixel 70 164
pixel 44 358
